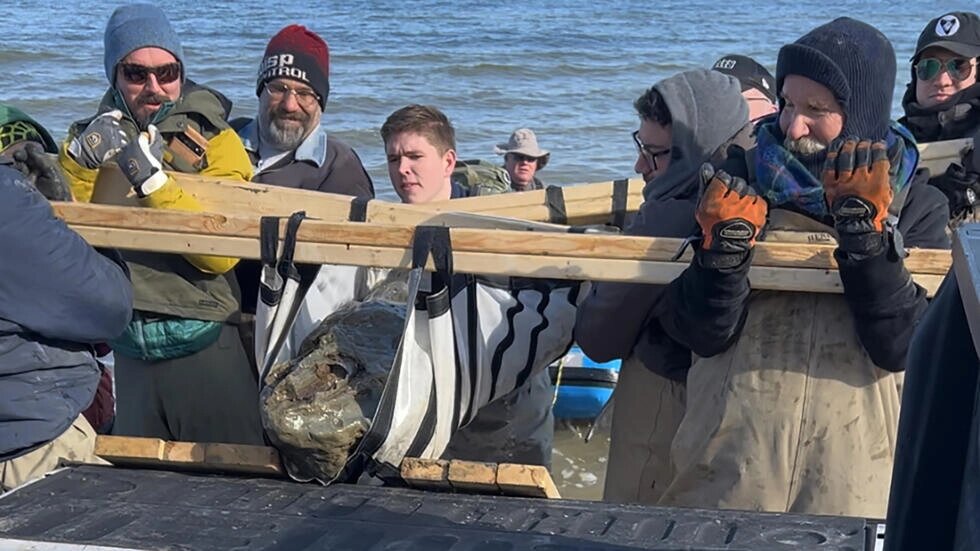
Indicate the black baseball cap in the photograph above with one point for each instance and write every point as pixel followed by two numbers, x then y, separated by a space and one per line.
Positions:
pixel 749 72
pixel 958 32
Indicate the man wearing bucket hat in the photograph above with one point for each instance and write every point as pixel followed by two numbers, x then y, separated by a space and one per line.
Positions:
pixel 942 102
pixel 523 159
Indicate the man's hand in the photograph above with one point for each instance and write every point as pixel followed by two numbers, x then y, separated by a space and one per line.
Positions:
pixel 42 170
pixel 961 187
pixel 858 189
pixel 731 216
pixel 100 141
pixel 141 162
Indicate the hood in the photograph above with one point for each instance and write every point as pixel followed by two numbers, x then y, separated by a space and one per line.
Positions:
pixel 707 110
pixel 958 117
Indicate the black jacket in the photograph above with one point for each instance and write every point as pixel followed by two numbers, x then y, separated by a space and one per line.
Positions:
pixel 705 309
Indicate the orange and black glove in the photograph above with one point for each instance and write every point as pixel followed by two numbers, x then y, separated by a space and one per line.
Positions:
pixel 731 215
pixel 858 189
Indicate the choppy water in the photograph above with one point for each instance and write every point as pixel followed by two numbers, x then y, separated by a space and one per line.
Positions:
pixel 569 69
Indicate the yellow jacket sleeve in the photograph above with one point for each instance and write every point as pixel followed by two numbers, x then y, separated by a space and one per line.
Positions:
pixel 226 158
pixel 80 179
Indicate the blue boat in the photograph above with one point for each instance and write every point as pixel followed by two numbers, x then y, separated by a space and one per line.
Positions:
pixel 584 385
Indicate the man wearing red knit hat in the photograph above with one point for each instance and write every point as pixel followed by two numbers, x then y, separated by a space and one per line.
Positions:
pixel 289 148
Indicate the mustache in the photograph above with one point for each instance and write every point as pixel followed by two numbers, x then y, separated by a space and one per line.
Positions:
pixel 804 146
pixel 151 98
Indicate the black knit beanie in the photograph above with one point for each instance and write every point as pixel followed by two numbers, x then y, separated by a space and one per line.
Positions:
pixel 856 62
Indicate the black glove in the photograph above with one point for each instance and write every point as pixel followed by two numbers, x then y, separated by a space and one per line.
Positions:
pixel 100 141
pixel 42 170
pixel 961 187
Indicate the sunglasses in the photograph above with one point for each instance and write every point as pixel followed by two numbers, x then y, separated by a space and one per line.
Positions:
pixel 648 151
pixel 959 68
pixel 524 158
pixel 137 74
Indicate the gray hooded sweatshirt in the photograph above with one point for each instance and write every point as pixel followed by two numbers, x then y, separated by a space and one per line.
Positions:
pixel 707 111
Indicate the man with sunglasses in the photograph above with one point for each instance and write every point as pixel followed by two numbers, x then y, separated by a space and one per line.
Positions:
pixel 942 102
pixel 793 397
pixel 523 159
pixel 181 349
pixel 685 120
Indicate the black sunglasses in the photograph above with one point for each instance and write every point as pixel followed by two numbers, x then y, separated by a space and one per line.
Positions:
pixel 137 74
pixel 928 68
pixel 648 151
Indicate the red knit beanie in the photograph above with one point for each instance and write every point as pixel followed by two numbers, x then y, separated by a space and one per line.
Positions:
pixel 300 54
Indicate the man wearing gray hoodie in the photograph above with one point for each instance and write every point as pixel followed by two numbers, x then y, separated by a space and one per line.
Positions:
pixel 685 120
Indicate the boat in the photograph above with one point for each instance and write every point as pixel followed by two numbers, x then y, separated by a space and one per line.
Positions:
pixel 583 385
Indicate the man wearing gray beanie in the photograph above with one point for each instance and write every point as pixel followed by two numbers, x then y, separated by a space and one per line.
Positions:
pixel 794 396
pixel 181 349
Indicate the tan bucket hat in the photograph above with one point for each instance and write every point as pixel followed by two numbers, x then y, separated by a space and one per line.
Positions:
pixel 524 142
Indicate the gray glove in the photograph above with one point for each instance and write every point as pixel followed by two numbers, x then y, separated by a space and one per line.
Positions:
pixel 142 162
pixel 100 141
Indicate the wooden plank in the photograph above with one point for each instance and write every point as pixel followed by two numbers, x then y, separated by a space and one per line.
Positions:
pixel 546 245
pixel 426 474
pixel 526 480
pixel 473 476
pixel 254 200
pixel 633 271
pixel 197 456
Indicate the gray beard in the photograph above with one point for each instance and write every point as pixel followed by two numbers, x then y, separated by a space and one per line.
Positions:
pixel 284 138
pixel 804 146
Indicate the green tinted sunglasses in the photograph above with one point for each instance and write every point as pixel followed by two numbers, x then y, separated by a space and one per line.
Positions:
pixel 929 68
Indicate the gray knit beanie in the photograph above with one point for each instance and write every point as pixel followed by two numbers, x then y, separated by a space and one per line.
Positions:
pixel 138 26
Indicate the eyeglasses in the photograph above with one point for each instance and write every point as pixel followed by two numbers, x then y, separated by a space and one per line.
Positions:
pixel 304 97
pixel 648 152
pixel 137 74
pixel 928 68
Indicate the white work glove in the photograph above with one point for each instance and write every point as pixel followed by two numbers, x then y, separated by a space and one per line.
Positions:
pixel 141 162
pixel 100 141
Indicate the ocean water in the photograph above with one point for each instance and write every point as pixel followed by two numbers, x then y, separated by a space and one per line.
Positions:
pixel 570 70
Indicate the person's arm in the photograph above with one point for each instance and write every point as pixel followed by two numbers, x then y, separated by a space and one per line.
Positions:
pixel 705 307
pixel 885 302
pixel 54 283
pixel 612 317
pixel 226 158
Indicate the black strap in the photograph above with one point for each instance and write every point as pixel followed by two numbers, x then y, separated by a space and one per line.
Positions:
pixel 358 209
pixel 268 239
pixel 556 205
pixel 434 241
pixel 621 190
pixel 286 267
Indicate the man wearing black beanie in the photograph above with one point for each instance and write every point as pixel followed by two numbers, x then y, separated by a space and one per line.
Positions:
pixel 798 393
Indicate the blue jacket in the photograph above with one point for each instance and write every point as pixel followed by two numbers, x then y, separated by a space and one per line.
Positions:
pixel 58 296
